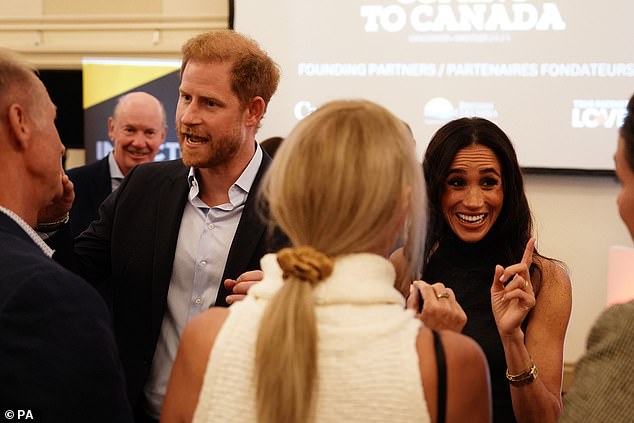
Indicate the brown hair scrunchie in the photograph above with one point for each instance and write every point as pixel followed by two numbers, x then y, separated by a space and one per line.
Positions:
pixel 305 263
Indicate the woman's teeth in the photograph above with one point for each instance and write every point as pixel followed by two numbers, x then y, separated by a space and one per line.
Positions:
pixel 471 218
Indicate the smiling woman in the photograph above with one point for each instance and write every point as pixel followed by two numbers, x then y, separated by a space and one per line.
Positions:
pixel 473 193
pixel 479 247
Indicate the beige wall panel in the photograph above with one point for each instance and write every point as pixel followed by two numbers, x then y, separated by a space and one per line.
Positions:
pixel 56 34
pixel 61 41
pixel 75 157
pixel 19 40
pixel 108 41
pixel 83 7
pixel 146 41
pixel 20 8
pixel 188 7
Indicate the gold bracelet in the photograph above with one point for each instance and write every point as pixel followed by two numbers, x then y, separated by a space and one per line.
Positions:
pixel 52 226
pixel 526 377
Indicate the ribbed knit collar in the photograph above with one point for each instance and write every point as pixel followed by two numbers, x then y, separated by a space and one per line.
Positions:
pixel 362 278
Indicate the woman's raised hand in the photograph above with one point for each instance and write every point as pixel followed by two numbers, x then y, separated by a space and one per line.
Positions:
pixel 512 302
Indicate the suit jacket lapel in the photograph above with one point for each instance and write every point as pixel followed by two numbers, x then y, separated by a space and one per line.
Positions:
pixel 103 184
pixel 249 235
pixel 171 200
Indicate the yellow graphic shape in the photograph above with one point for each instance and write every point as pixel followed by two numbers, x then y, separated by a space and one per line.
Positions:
pixel 104 79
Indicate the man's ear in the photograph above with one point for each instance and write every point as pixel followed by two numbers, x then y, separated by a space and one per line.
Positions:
pixel 111 129
pixel 163 134
pixel 20 125
pixel 255 110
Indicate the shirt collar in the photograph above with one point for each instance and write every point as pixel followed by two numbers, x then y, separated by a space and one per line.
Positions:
pixel 240 188
pixel 29 231
pixel 115 172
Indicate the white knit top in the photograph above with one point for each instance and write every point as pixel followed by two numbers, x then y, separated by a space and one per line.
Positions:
pixel 367 360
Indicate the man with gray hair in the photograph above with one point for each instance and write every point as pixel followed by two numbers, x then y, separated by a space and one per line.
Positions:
pixel 58 358
pixel 137 128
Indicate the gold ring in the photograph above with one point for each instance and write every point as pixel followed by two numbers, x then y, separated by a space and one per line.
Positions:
pixel 443 295
pixel 525 284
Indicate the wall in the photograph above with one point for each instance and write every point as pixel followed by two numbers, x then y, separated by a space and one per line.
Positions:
pixel 577 220
pixel 58 33
pixel 576 216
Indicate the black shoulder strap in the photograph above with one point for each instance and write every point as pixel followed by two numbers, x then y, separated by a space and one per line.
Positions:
pixel 441 366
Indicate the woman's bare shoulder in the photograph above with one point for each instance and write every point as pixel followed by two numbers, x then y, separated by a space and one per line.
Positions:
pixel 467 372
pixel 460 350
pixel 463 353
pixel 202 329
pixel 189 367
pixel 554 276
pixel 200 334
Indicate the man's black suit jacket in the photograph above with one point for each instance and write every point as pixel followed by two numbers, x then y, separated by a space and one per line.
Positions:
pixel 131 249
pixel 92 185
pixel 58 357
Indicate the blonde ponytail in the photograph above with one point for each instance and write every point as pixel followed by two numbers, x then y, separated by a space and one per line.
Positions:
pixel 286 347
pixel 338 183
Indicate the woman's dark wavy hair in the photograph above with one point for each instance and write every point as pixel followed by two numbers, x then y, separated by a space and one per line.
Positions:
pixel 627 133
pixel 514 224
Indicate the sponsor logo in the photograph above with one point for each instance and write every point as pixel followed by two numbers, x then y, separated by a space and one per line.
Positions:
pixel 440 110
pixel 598 113
pixel 169 150
pixel 303 108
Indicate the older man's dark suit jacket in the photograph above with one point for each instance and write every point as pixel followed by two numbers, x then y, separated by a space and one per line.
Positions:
pixel 58 357
pixel 92 185
pixel 131 249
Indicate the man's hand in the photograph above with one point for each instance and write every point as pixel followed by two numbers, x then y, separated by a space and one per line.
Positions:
pixel 60 205
pixel 239 287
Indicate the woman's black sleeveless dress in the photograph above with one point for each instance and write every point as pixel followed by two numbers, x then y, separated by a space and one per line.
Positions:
pixel 468 270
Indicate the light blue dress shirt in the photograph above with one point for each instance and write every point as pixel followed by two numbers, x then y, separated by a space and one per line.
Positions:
pixel 204 240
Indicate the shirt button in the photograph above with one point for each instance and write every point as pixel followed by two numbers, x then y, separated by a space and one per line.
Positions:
pixel 203 263
pixel 198 300
pixel 210 226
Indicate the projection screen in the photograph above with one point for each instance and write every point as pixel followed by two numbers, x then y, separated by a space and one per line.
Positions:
pixel 555 75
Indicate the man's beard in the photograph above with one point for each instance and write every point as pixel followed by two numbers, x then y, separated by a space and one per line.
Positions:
pixel 216 151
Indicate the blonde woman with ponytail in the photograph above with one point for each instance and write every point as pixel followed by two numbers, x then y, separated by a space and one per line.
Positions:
pixel 326 337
